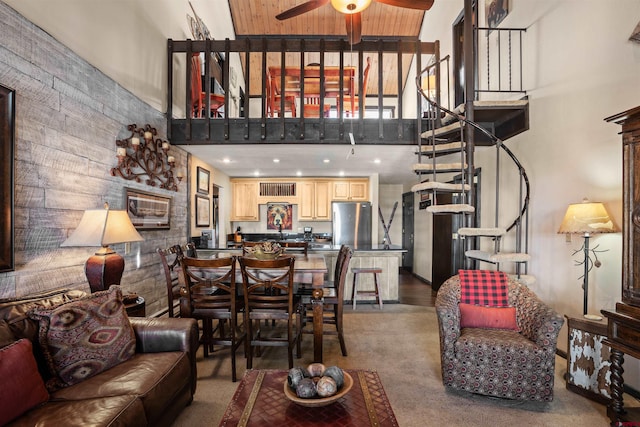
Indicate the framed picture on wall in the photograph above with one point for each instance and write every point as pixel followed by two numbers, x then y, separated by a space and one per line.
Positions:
pixel 148 211
pixel 203 211
pixel 7 147
pixel 495 12
pixel 203 180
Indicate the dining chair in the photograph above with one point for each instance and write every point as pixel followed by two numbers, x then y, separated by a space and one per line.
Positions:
pixel 171 267
pixel 270 297
pixel 333 300
pixel 311 107
pixel 295 247
pixel 198 97
pixel 209 293
pixel 356 100
pixel 274 101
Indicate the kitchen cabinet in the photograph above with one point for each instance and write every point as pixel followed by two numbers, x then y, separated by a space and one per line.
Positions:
pixel 245 201
pixel 356 190
pixel 315 201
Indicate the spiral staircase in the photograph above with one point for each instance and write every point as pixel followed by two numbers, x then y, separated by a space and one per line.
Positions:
pixel 446 165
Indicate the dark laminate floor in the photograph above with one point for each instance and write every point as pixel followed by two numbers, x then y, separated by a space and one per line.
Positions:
pixel 413 291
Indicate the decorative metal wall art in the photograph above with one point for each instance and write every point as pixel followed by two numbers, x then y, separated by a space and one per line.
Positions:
pixel 143 155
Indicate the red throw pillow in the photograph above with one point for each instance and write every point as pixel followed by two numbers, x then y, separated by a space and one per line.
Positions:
pixel 22 386
pixel 484 287
pixel 84 337
pixel 476 316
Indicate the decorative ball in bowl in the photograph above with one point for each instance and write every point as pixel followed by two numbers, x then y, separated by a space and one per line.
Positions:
pixel 317 385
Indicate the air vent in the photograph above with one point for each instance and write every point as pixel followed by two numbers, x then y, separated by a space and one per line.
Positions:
pixel 278 189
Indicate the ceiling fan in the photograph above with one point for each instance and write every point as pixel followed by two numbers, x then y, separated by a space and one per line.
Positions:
pixel 351 10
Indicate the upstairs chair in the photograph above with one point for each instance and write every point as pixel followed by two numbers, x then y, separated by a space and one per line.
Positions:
pixel 209 293
pixel 274 101
pixel 333 299
pixel 356 99
pixel 311 107
pixel 501 352
pixel 270 297
pixel 170 267
pixel 198 97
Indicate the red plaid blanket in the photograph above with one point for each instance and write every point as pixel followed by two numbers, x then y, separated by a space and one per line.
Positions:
pixel 483 287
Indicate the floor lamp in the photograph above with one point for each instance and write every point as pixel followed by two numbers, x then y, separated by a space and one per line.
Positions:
pixel 587 218
pixel 103 227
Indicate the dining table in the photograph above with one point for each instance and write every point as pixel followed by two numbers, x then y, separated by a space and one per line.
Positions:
pixel 307 84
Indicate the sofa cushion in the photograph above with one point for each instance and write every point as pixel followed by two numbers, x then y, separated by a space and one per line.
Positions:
pixel 6 336
pixel 22 386
pixel 483 287
pixel 475 316
pixel 84 337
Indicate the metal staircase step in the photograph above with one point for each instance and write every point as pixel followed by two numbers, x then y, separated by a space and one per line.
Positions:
pixel 497 258
pixel 440 186
pixel 444 130
pixel 430 150
pixel 525 279
pixel 481 232
pixel 451 209
pixel 439 167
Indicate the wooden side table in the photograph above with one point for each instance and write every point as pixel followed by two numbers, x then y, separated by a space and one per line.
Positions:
pixel 588 361
pixel 136 308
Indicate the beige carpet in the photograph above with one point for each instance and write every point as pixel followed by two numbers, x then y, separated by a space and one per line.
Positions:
pixel 402 344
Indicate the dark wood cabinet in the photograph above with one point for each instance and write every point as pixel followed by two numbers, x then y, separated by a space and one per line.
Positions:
pixel 623 324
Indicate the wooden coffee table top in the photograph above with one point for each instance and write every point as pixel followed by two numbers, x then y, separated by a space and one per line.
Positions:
pixel 260 401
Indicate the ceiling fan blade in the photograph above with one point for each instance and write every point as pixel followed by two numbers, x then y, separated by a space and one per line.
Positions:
pixel 301 8
pixel 354 27
pixel 409 4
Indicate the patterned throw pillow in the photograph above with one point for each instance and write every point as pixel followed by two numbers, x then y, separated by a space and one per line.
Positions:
pixel 22 386
pixel 84 337
pixel 483 287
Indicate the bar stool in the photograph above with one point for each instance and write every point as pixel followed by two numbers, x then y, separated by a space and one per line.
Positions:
pixel 375 292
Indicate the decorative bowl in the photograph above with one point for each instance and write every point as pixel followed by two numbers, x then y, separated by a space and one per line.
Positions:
pixel 319 401
pixel 267 255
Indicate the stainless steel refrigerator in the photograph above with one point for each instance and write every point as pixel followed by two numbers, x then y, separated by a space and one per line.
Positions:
pixel 352 224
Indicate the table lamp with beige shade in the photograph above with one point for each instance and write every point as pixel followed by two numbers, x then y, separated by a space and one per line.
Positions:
pixel 103 227
pixel 587 218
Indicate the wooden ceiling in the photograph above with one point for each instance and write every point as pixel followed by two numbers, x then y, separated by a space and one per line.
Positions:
pixel 257 18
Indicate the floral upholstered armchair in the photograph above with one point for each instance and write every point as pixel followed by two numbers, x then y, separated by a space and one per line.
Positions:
pixel 514 363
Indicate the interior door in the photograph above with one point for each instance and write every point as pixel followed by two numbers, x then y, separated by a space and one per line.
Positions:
pixel 407 230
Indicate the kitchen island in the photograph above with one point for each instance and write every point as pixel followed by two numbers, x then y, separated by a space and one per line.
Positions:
pixel 386 257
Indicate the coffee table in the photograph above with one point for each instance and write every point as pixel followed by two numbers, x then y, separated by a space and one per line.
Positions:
pixel 260 401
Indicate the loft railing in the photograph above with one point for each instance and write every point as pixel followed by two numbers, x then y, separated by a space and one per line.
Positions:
pixel 499 53
pixel 256 55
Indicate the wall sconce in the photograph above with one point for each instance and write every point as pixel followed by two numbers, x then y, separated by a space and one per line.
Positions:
pixel 143 155
pixel 587 218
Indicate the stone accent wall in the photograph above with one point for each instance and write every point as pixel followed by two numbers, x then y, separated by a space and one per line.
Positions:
pixel 68 116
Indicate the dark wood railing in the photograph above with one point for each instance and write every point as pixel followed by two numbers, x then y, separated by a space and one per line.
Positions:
pixel 262 128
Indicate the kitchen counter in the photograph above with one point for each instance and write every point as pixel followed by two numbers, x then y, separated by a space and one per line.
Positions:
pixel 386 257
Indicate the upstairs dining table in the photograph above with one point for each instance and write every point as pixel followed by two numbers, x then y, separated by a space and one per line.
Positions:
pixel 305 83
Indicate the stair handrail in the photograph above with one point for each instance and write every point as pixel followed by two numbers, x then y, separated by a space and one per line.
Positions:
pixel 497 141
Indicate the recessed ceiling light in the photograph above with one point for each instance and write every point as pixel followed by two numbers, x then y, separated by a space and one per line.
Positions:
pixel 341 173
pixel 276 160
pixel 256 173
pixel 377 161
pixel 226 160
pixel 299 173
pixel 326 160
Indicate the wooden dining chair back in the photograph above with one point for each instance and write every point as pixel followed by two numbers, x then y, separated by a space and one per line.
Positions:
pixel 171 268
pixel 333 300
pixel 198 96
pixel 355 103
pixel 311 107
pixel 269 295
pixel 295 247
pixel 209 293
pixel 274 100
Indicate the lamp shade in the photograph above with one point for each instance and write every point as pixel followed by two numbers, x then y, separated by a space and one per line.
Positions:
pixel 103 227
pixel 350 6
pixel 587 218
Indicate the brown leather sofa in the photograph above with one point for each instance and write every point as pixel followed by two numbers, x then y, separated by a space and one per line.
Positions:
pixel 149 389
